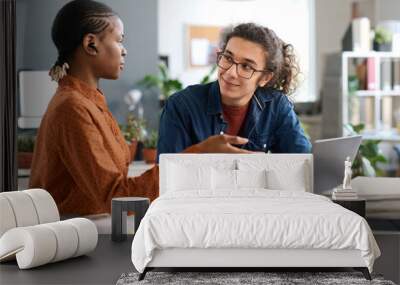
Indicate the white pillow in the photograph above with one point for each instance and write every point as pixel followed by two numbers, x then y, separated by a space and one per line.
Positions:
pixel 251 178
pixel 291 178
pixel 224 179
pixel 188 177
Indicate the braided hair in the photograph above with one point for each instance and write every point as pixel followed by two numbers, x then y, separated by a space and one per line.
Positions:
pixel 280 56
pixel 75 20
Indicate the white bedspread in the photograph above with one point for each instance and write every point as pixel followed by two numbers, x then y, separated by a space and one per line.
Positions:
pixel 250 219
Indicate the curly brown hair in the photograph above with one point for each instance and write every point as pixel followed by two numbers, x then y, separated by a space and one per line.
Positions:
pixel 280 57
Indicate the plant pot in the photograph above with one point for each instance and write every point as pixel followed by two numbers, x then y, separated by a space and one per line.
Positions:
pixel 24 159
pixel 133 148
pixel 149 155
pixel 382 47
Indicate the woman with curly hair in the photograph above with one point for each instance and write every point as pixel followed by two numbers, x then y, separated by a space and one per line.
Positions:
pixel 257 72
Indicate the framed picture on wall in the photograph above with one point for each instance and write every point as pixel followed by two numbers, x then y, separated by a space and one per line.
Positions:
pixel 202 44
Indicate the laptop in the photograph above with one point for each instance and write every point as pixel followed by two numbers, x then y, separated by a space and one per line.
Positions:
pixel 329 156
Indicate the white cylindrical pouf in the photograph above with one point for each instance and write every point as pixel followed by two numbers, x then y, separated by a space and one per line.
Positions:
pixel 87 235
pixel 7 218
pixel 23 208
pixel 67 239
pixel 34 246
pixel 40 244
pixel 45 205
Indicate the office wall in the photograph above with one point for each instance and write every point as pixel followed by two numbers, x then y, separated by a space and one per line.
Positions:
pixel 36 51
pixel 387 10
pixel 290 19
pixel 331 21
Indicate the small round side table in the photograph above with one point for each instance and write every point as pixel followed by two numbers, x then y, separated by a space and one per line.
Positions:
pixel 119 208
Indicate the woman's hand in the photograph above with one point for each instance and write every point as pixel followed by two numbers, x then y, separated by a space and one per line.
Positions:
pixel 219 144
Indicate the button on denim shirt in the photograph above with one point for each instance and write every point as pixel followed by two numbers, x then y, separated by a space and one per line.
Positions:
pixel 195 113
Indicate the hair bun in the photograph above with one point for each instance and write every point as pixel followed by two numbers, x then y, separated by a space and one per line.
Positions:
pixel 58 71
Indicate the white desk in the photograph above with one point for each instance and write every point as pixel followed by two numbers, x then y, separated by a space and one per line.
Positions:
pixel 136 168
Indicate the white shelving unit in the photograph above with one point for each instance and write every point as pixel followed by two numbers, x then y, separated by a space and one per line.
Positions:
pixel 377 94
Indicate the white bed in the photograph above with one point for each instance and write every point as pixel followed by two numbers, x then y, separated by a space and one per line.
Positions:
pixel 221 211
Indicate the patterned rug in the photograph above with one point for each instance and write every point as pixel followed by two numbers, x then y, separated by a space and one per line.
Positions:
pixel 242 278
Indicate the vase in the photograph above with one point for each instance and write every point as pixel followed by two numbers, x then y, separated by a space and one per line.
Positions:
pixel 382 47
pixel 149 155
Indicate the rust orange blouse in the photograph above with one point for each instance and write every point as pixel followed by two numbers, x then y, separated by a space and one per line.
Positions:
pixel 81 157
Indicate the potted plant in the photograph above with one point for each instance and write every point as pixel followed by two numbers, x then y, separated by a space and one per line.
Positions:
pixel 150 147
pixel 25 146
pixel 133 132
pixel 163 82
pixel 368 155
pixel 382 40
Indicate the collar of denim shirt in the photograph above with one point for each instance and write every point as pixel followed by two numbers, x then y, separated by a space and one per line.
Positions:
pixel 214 105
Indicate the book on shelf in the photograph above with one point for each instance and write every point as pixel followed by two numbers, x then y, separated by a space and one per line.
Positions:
pixel 386 74
pixel 344 198
pixel 371 80
pixel 361 72
pixel 344 194
pixel 396 74
pixel 387 112
pixel 345 191
pixel 338 194
pixel 367 113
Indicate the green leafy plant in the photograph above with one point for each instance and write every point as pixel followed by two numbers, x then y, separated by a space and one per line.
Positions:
pixel 207 77
pixel 151 140
pixel 26 143
pixel 382 36
pixel 162 81
pixel 133 129
pixel 368 156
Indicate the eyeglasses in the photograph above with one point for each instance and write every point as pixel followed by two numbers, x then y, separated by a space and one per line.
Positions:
pixel 244 70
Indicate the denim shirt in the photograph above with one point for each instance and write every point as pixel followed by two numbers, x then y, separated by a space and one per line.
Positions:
pixel 195 113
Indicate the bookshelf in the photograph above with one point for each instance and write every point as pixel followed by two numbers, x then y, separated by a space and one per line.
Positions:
pixel 374 98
